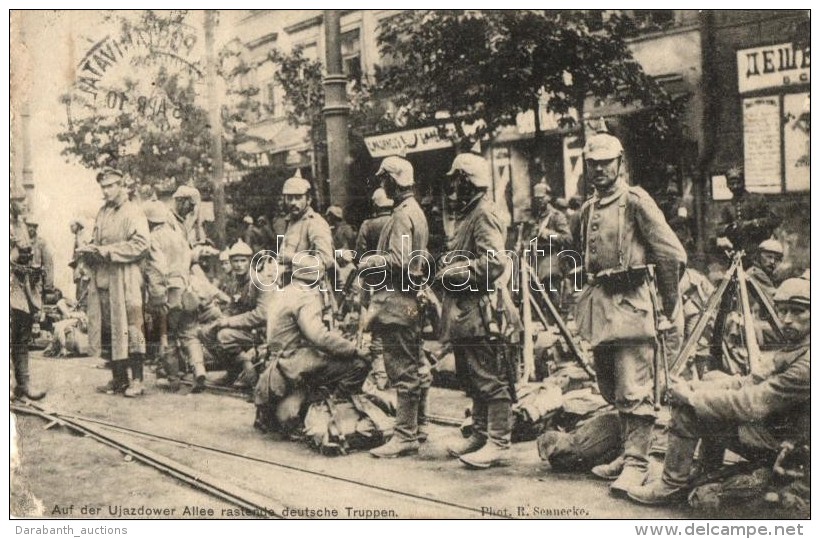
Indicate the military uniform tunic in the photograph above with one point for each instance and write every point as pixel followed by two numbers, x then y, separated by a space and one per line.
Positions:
pixel 620 230
pixel 466 313
pixel 309 233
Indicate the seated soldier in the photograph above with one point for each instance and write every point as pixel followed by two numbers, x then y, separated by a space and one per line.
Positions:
pixel 235 334
pixel 304 354
pixel 750 415
pixel 769 256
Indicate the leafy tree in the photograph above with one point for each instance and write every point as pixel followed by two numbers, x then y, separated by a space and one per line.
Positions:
pixel 493 65
pixel 158 138
pixel 301 79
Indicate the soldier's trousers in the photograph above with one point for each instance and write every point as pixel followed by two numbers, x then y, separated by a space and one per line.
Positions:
pixel 481 370
pixel 234 341
pixel 625 376
pixel 752 442
pixel 20 335
pixel 402 356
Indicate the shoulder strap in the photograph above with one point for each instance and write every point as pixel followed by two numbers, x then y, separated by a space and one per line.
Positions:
pixel 622 227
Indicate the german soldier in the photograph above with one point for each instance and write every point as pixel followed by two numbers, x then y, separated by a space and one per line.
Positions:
pixel 235 334
pixel 394 310
pixel 305 353
pixel 751 415
pixel 23 301
pixel 307 231
pixel 769 256
pixel 621 230
pixel 470 270
pixel 748 221
pixel 115 319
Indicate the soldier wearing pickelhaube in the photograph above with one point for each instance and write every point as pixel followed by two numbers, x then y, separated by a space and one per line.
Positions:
pixel 307 231
pixel 469 277
pixel 394 309
pixel 621 231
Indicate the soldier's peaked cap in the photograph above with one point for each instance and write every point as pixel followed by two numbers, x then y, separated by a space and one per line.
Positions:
pixel 225 255
pixel 794 290
pixel 771 246
pixel 108 172
pixel 399 169
pixel 240 248
pixel 475 167
pixel 603 146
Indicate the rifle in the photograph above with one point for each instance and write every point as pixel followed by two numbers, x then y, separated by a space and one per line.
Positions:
pixel 660 359
pixel 528 347
pixel 577 353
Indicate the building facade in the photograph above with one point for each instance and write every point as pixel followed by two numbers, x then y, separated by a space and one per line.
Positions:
pixel 740 73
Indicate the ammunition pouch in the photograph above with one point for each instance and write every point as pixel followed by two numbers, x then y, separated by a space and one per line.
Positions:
pixel 621 280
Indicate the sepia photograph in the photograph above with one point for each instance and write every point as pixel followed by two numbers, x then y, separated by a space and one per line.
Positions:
pixel 416 264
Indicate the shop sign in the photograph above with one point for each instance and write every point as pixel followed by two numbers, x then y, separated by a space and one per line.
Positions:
pixel 410 141
pixel 773 66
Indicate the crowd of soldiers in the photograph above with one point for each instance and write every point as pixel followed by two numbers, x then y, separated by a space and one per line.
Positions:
pixel 267 313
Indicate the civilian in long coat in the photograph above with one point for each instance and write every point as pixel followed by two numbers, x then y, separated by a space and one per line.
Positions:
pixel 119 242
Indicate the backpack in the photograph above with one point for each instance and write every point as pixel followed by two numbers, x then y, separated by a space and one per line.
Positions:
pixel 335 426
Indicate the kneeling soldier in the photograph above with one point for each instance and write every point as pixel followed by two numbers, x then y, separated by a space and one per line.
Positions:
pixel 304 353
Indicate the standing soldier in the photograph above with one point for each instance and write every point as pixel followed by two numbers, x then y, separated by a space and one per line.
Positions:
pixel 23 302
pixel 186 211
pixel 119 242
pixel 553 236
pixel 748 221
pixel 468 317
pixel 371 229
pixel 307 231
pixel 40 257
pixel 394 309
pixel 168 245
pixel 621 230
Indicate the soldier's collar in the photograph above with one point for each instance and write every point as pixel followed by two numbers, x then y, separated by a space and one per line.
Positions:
pixel 401 198
pixel 620 189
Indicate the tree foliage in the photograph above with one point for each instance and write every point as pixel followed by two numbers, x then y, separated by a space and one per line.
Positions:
pixel 159 135
pixel 493 65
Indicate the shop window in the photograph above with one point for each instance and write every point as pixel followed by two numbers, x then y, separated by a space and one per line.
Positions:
pixel 351 45
pixel 776 138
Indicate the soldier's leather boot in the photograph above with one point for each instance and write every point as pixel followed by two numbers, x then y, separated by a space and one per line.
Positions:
pixel 135 389
pixel 609 471
pixel 479 435
pixel 496 452
pixel 405 432
pixel 23 389
pixel 677 467
pixel 23 375
pixel 197 361
pixel 119 379
pixel 423 422
pixel 638 431
pixel 656 492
